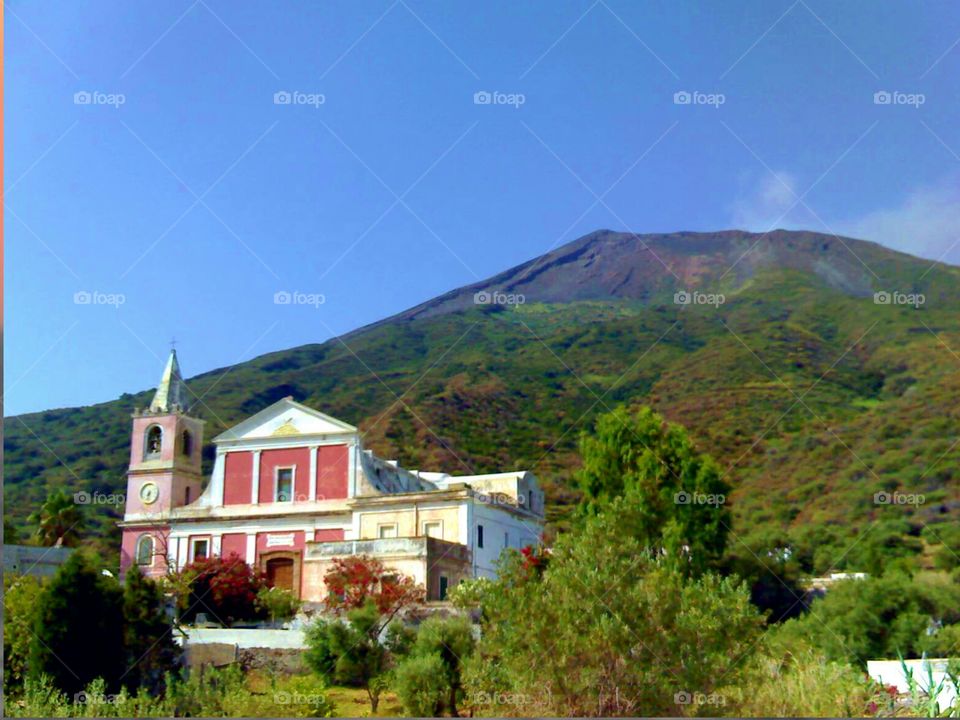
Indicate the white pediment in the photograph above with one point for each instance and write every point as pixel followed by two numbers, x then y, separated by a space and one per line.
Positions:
pixel 285 418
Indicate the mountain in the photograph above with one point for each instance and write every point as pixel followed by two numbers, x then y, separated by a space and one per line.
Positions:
pixel 812 393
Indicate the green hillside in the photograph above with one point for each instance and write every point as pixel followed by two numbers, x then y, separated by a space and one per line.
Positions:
pixel 811 396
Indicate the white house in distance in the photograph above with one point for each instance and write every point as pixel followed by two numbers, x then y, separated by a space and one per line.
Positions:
pixel 292 489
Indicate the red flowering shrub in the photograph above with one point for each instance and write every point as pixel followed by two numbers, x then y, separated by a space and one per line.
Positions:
pixel 534 560
pixel 352 581
pixel 225 589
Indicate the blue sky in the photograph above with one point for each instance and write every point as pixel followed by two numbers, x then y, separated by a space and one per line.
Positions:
pixel 176 198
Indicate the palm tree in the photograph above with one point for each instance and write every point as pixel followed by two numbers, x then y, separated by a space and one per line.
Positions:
pixel 59 520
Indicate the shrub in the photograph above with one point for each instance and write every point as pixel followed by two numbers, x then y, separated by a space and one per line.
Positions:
pixel 148 643
pixel 348 651
pixel 451 640
pixel 225 588
pixel 421 686
pixel 20 600
pixel 877 617
pixel 354 581
pixel 78 628
pixel 608 629
pixel 277 603
pixel 804 684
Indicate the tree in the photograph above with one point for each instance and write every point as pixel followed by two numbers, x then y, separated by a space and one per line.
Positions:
pixel 420 685
pixel 277 603
pixel 675 498
pixel 78 628
pixel 58 520
pixel 347 650
pixel 149 649
pixel 768 563
pixel 608 629
pixel 226 588
pixel 878 617
pixel 21 597
pixel 450 641
pixel 353 581
pixel 365 598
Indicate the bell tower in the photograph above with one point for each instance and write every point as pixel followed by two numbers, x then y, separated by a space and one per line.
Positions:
pixel 165 450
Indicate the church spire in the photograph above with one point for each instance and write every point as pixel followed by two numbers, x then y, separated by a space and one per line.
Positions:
pixel 171 392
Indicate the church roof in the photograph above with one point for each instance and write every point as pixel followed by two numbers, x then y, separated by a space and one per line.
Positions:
pixel 171 393
pixel 285 417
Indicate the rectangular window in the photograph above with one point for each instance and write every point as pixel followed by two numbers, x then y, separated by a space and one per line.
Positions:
pixel 388 530
pixel 284 491
pixel 433 528
pixel 479 536
pixel 201 549
pixel 443 587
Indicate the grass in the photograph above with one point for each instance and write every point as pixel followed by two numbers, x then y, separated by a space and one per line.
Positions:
pixel 349 701
pixel 353 702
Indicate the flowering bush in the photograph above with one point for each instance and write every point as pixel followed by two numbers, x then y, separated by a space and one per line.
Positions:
pixel 224 589
pixel 352 581
pixel 535 560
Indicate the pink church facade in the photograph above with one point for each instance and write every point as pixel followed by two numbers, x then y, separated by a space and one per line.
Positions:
pixel 292 489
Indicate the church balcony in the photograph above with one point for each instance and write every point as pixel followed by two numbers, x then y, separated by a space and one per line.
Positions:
pixel 386 548
pixel 434 564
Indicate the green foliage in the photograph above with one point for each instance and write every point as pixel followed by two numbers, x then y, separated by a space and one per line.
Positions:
pixel 421 685
pixel 449 640
pixel 767 563
pixel 672 499
pixel 924 690
pixel 78 626
pixel 148 643
pixel 468 593
pixel 21 596
pixel 58 519
pixel 608 629
pixel 804 683
pixel 400 639
pixel 277 603
pixel 348 651
pixel 877 617
pixel 202 693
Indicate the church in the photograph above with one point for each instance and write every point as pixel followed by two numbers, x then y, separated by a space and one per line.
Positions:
pixel 292 489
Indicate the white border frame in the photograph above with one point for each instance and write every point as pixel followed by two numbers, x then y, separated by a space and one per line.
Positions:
pixel 192 556
pixel 293 483
pixel 136 550
pixel 396 529
pixel 423 528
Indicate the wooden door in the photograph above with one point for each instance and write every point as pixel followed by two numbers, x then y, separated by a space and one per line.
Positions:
pixel 280 573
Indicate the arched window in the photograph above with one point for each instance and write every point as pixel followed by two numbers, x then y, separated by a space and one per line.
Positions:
pixel 145 550
pixel 186 446
pixel 154 442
